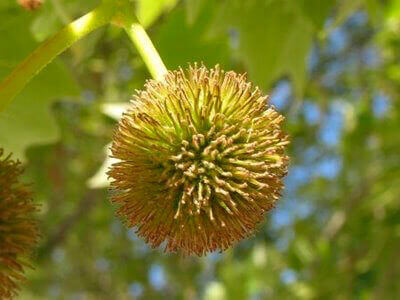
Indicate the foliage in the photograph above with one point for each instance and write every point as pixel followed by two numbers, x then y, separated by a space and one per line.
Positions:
pixel 331 67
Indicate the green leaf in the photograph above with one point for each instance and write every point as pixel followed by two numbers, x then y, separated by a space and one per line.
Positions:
pixel 316 10
pixel 274 40
pixel 28 120
pixel 375 10
pixel 193 8
pixel 180 43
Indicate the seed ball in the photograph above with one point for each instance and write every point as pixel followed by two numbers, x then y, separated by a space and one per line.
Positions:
pixel 18 228
pixel 201 157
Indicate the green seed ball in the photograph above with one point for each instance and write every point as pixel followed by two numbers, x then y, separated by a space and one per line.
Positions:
pixel 201 160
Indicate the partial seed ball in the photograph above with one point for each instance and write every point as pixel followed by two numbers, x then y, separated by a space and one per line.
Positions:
pixel 201 160
pixel 18 228
pixel 30 4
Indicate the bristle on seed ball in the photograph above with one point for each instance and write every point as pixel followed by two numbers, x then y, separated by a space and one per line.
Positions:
pixel 18 229
pixel 201 160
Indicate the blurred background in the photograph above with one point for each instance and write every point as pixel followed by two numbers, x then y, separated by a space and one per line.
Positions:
pixel 331 67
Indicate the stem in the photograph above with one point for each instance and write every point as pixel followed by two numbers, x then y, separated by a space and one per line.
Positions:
pixel 65 18
pixel 50 49
pixel 144 45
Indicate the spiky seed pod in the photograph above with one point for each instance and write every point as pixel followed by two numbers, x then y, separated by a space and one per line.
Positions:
pixel 201 160
pixel 30 4
pixel 18 229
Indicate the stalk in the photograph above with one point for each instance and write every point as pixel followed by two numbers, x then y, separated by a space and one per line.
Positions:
pixel 50 49
pixel 147 50
pixel 128 20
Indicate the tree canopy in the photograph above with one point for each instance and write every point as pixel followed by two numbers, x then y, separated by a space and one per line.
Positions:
pixel 331 67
